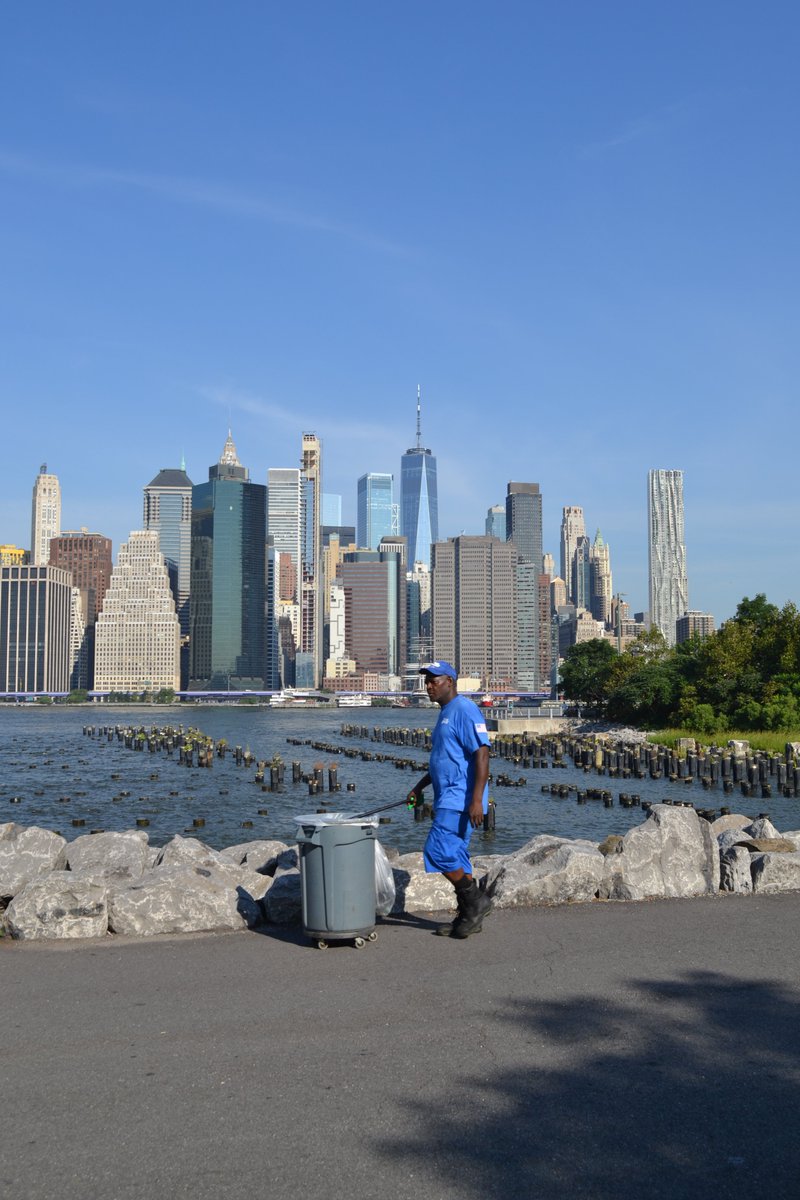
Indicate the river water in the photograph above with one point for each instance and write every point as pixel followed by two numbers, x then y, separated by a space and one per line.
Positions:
pixel 51 775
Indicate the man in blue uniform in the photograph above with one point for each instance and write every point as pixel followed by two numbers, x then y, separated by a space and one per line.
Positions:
pixel 459 770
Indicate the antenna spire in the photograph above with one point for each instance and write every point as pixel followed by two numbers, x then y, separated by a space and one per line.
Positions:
pixel 419 422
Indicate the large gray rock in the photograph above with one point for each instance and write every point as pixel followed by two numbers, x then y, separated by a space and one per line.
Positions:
pixel 413 861
pixel 183 851
pixel 674 853
pixel 121 855
pixel 729 821
pixel 59 906
pixel 283 903
pixel 259 856
pixel 183 898
pixel 732 837
pixel 250 887
pixel 26 854
pixel 419 892
pixel 735 873
pixel 775 872
pixel 793 836
pixel 762 828
pixel 547 870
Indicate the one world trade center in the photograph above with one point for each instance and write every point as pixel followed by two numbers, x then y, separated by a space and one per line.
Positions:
pixel 419 502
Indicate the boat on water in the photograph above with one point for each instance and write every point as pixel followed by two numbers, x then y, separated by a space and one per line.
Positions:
pixel 354 700
pixel 290 697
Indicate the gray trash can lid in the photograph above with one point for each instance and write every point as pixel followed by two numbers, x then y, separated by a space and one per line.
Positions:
pixel 341 818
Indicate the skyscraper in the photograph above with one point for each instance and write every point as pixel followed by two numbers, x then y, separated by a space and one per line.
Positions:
pixel 45 516
pixel 496 522
pixel 474 607
pixel 375 509
pixel 524 521
pixel 137 637
pixel 309 664
pixel 374 585
pixel 284 526
pixel 168 510
pixel 35 616
pixel 419 499
pixel 88 557
pixel 572 529
pixel 228 584
pixel 669 590
pixel 602 586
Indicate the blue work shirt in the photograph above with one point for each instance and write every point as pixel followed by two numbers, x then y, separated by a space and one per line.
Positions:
pixel 459 732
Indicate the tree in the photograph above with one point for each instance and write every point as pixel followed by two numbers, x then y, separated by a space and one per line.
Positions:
pixel 587 670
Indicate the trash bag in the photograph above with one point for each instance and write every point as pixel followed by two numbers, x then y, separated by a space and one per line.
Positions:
pixel 384 882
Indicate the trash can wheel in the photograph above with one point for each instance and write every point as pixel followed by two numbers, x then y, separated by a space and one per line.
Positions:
pixel 373 937
pixel 359 943
pixel 322 944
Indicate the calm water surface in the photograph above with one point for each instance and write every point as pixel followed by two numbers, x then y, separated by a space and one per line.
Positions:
pixel 59 775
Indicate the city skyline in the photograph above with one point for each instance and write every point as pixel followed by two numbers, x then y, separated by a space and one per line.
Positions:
pixel 574 228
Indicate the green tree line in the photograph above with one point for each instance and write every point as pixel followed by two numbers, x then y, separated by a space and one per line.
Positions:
pixel 744 676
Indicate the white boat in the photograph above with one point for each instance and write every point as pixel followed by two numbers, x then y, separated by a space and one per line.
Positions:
pixel 289 696
pixel 354 700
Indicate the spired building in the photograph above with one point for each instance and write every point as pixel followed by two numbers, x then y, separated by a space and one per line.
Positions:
pixel 137 637
pixel 573 530
pixel 45 515
pixel 228 626
pixel 419 499
pixel 669 589
pixel 168 510
pixel 35 628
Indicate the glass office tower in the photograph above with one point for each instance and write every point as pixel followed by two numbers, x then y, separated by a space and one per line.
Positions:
pixel 228 584
pixel 168 510
pixel 419 500
pixel 375 509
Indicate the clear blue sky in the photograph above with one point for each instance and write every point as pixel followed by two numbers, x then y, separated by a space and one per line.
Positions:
pixel 575 225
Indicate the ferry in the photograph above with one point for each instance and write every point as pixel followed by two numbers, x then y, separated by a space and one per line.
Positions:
pixel 354 700
pixel 290 697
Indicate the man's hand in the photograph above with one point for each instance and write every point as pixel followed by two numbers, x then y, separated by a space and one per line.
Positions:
pixel 476 812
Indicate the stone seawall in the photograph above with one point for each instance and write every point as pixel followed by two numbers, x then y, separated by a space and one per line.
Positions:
pixel 117 883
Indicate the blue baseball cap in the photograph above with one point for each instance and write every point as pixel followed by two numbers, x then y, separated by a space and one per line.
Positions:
pixel 440 668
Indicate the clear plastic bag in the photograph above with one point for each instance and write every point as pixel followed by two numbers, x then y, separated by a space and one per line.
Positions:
pixel 384 882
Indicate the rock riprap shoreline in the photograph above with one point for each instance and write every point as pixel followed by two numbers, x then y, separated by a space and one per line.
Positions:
pixel 117 883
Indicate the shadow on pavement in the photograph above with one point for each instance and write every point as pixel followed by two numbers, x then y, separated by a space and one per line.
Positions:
pixel 690 1089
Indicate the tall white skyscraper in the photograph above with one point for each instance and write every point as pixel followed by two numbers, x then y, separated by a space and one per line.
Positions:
pixel 45 516
pixel 669 590
pixel 572 530
pixel 137 637
pixel 309 664
pixel 285 509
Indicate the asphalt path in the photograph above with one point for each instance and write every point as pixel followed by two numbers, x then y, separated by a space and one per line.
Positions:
pixel 604 1050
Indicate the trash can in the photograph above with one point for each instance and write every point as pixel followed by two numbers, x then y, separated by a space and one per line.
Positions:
pixel 337 877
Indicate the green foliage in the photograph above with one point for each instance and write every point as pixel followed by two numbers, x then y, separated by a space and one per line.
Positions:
pixel 165 696
pixel 745 676
pixel 77 696
pixel 586 672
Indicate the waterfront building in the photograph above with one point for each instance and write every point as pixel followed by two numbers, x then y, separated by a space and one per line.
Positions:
pixel 419 498
pixel 572 529
pixel 79 643
pixel 473 601
pixel 669 590
pixel 694 624
pixel 374 586
pixel 496 522
pixel 418 594
pixel 88 557
pixel 13 556
pixel 137 636
pixel 582 574
pixel 375 512
pixel 35 615
pixel 168 510
pixel 285 524
pixel 308 661
pixel 45 515
pixel 601 580
pixel 228 643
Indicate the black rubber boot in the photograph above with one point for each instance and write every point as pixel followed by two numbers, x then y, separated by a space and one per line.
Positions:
pixel 447 930
pixel 473 906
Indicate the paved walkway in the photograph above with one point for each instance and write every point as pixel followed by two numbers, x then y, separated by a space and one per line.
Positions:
pixel 628 1051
